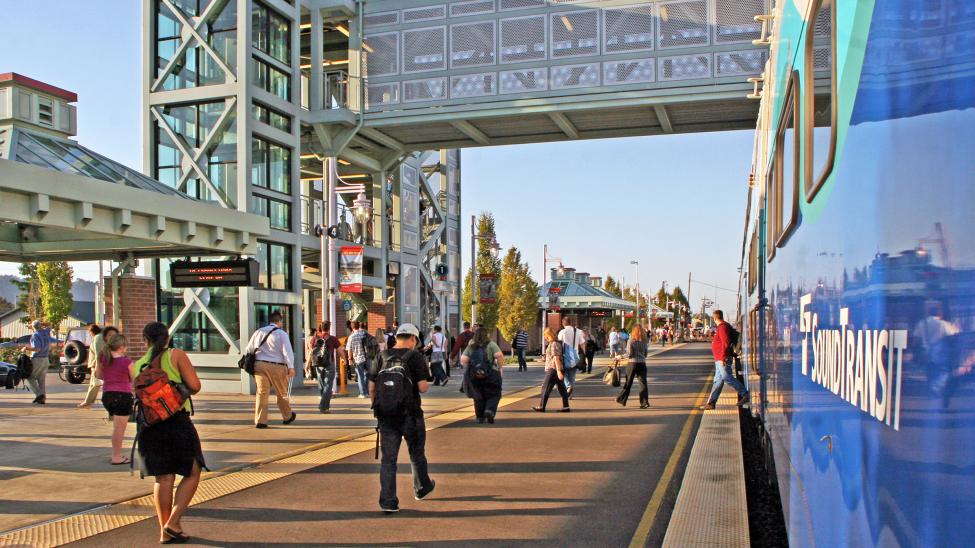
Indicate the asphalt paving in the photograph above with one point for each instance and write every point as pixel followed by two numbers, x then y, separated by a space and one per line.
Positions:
pixel 579 479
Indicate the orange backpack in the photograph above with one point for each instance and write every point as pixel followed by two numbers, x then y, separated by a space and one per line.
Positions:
pixel 157 398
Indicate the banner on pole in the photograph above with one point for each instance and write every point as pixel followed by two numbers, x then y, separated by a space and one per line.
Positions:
pixel 487 289
pixel 350 269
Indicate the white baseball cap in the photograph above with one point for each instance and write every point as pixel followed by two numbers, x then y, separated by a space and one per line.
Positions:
pixel 408 329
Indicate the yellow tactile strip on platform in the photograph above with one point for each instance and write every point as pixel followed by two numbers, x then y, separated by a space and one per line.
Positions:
pixel 711 507
pixel 100 520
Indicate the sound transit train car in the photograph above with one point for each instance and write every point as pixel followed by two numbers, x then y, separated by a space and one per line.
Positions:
pixel 857 294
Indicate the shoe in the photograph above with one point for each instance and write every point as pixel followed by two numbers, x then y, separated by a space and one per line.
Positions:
pixel 479 420
pixel 361 396
pixel 538 409
pixel 324 411
pixel 392 510
pixel 564 410
pixel 290 420
pixel 176 537
pixel 422 494
pixel 40 400
pixel 707 407
pixel 645 405
pixel 444 383
pixel 744 399
pixel 490 417
pixel 260 425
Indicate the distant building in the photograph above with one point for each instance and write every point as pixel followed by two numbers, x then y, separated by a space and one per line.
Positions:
pixel 11 326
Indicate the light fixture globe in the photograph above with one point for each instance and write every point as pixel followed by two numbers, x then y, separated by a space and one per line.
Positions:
pixel 362 207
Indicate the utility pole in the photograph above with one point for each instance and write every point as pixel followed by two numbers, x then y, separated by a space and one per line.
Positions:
pixel 474 281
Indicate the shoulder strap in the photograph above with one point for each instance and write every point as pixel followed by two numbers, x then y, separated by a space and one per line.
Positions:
pixel 264 339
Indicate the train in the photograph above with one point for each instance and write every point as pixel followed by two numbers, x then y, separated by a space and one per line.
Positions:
pixel 856 298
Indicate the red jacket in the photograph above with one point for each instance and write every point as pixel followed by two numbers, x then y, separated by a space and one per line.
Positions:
pixel 722 340
pixel 460 344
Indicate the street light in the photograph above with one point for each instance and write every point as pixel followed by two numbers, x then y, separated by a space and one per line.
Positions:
pixel 637 318
pixel 561 270
pixel 362 207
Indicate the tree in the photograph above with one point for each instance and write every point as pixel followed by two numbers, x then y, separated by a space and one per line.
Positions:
pixel 612 287
pixel 29 299
pixel 55 291
pixel 5 305
pixel 517 295
pixel 487 314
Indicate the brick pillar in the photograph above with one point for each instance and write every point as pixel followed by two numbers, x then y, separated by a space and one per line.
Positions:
pixel 379 315
pixel 137 296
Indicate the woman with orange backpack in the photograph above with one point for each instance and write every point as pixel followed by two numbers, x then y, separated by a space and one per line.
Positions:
pixel 168 443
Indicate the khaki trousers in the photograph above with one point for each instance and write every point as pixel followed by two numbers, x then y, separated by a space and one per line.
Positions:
pixel 267 376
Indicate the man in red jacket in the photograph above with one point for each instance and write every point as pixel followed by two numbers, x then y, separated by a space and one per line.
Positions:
pixel 723 352
pixel 461 344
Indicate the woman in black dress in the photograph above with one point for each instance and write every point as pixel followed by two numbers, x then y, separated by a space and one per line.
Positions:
pixel 636 353
pixel 170 447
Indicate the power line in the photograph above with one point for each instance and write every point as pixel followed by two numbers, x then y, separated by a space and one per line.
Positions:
pixel 735 291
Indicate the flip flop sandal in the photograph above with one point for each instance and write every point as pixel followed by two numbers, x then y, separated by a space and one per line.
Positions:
pixel 125 460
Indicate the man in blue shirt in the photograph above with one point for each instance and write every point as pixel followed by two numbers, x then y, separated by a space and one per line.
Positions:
pixel 40 349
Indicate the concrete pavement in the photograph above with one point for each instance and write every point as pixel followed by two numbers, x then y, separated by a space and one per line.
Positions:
pixel 55 458
pixel 591 477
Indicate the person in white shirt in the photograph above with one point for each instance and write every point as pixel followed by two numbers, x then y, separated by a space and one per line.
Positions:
pixel 438 351
pixel 275 367
pixel 614 342
pixel 574 342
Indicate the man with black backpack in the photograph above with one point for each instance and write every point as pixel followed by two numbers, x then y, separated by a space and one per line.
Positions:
pixel 396 380
pixel 323 360
pixel 723 350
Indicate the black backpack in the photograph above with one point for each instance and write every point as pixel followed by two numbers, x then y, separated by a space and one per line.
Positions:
pixel 25 366
pixel 734 338
pixel 479 366
pixel 371 346
pixel 321 356
pixel 394 392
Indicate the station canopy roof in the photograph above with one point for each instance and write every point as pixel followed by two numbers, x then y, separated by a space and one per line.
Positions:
pixel 582 295
pixel 62 201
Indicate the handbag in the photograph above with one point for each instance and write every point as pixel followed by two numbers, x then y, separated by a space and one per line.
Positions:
pixel 248 360
pixel 612 376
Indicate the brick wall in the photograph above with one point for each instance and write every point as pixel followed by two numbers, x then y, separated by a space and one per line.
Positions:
pixel 380 316
pixel 137 295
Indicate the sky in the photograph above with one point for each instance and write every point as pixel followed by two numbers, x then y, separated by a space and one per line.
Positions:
pixel 674 203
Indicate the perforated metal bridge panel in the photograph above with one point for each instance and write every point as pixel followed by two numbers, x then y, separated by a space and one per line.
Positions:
pixel 445 53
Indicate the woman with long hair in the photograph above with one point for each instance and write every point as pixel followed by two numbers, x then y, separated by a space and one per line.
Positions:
pixel 484 363
pixel 554 372
pixel 117 391
pixel 170 447
pixel 636 353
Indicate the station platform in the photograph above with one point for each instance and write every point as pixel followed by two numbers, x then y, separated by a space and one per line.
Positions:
pixel 602 475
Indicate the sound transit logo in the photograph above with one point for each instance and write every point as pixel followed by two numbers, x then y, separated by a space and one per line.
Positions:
pixel 861 366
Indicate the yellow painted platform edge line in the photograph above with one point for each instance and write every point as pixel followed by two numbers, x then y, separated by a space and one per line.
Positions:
pixel 642 533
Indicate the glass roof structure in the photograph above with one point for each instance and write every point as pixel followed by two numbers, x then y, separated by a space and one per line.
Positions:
pixel 68 156
pixel 60 200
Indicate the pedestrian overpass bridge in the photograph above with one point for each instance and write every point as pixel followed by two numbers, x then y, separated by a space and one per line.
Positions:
pixel 451 74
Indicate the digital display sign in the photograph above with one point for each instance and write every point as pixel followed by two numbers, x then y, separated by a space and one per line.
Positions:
pixel 232 273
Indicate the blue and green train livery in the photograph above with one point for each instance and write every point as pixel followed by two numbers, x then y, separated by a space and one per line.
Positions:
pixel 857 295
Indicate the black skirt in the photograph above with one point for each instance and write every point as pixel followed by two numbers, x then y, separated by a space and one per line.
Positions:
pixel 170 447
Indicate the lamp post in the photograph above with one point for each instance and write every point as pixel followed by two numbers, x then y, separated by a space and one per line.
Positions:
pixel 545 260
pixel 637 315
pixel 328 233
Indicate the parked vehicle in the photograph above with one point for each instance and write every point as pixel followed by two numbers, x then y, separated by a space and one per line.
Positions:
pixel 74 357
pixel 9 378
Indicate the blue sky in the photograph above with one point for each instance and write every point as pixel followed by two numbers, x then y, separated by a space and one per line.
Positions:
pixel 673 203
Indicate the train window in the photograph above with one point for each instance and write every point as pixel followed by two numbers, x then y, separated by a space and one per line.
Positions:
pixel 787 164
pixel 771 205
pixel 753 262
pixel 820 108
